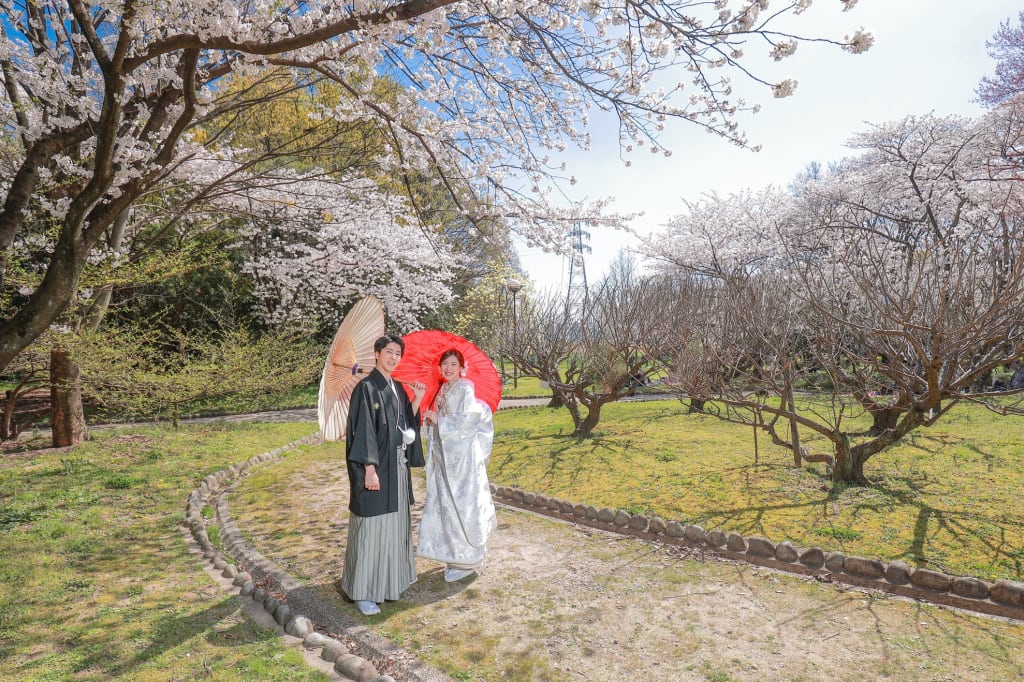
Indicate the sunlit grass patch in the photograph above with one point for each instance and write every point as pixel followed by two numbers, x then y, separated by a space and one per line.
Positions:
pixel 98 581
pixel 945 498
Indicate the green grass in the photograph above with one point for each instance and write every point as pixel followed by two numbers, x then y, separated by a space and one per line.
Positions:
pixel 526 621
pixel 97 582
pixel 946 498
pixel 524 387
pixel 531 387
pixel 300 397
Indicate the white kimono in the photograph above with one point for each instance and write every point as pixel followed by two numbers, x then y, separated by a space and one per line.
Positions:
pixel 458 514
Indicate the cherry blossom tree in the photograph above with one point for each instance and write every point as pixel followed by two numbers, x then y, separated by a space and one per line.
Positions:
pixel 1007 48
pixel 742 334
pixel 897 276
pixel 102 101
pixel 316 245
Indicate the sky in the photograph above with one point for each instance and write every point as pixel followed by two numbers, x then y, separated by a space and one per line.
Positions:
pixel 928 57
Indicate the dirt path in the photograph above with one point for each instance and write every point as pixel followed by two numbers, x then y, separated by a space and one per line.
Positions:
pixel 556 601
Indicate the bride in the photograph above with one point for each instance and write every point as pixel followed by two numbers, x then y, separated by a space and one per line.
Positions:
pixel 458 514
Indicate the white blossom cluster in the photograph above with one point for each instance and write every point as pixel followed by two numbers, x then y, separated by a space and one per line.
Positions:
pixel 315 243
pixel 727 236
pixel 100 99
pixel 907 254
pixel 490 88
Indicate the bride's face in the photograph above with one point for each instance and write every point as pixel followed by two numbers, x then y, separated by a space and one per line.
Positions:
pixel 450 368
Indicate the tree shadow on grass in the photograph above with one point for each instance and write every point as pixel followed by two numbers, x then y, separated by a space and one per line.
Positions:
pixel 172 630
pixel 569 459
pixel 566 457
pixel 965 527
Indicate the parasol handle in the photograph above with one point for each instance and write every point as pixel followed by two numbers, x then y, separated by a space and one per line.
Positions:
pixel 356 369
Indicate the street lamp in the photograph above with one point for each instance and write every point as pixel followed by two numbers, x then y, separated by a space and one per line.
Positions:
pixel 514 285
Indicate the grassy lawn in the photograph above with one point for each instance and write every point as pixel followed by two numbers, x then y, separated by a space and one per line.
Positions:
pixel 947 498
pixel 96 582
pixel 524 387
pixel 556 604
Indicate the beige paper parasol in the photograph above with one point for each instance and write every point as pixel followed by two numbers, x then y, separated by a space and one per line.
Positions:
pixel 350 358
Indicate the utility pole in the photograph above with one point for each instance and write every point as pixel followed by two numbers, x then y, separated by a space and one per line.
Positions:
pixel 578 288
pixel 514 286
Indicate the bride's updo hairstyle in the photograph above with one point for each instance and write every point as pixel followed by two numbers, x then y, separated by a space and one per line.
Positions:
pixel 452 352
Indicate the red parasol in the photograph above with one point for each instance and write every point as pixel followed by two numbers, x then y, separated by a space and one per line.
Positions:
pixel 350 358
pixel 420 362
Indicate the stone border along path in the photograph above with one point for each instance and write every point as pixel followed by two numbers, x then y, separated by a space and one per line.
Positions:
pixel 1003 598
pixel 348 644
pixel 285 598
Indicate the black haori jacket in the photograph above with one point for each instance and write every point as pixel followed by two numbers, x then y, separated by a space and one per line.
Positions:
pixel 372 437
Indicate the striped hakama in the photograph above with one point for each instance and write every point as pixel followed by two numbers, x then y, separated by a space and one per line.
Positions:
pixel 379 563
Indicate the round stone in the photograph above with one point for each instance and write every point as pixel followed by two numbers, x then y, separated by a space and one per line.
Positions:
pixel 972 588
pixel 812 557
pixel 736 543
pixel 717 538
pixel 931 580
pixel 834 562
pixel 864 568
pixel 694 534
pixel 786 552
pixel 898 572
pixel 1008 592
pixel 639 523
pixel 333 650
pixel 315 640
pixel 299 626
pixel 761 547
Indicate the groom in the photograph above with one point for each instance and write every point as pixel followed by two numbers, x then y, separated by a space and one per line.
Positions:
pixel 382 441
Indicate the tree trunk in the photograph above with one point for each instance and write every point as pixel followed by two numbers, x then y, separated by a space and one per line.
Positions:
pixel 51 297
pixel 569 402
pixel 884 419
pixel 696 406
pixel 101 297
pixel 794 429
pixel 585 428
pixel 849 464
pixel 6 429
pixel 67 415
